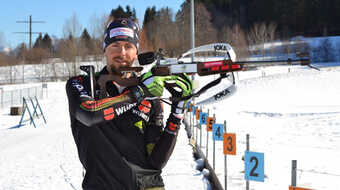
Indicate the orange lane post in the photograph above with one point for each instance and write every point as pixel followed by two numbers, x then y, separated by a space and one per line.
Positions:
pixel 198 114
pixel 190 108
pixel 210 121
pixel 229 147
pixel 298 188
pixel 229 143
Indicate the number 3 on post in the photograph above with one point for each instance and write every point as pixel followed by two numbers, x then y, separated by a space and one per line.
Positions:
pixel 254 166
pixel 229 143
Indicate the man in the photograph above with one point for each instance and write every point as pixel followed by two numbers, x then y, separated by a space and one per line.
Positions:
pixel 119 133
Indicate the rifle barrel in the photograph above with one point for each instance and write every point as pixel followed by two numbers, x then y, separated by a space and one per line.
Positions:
pixel 222 66
pixel 273 62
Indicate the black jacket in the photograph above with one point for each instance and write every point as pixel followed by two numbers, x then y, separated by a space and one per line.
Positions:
pixel 121 142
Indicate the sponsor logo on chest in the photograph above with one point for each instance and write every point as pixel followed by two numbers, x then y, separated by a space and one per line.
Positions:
pixel 141 111
pixel 119 111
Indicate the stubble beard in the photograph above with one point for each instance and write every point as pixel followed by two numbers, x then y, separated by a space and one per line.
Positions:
pixel 115 64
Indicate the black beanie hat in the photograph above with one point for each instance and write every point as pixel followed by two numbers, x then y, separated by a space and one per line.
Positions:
pixel 122 29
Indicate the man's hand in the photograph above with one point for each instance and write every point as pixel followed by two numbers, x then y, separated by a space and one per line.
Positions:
pixel 181 88
pixel 154 85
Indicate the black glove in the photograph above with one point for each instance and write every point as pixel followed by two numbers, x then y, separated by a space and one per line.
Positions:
pixel 179 89
pixel 173 123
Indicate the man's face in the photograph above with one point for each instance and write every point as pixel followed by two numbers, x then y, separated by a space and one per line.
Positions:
pixel 120 54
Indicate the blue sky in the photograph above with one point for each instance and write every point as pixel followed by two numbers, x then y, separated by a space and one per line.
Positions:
pixel 55 13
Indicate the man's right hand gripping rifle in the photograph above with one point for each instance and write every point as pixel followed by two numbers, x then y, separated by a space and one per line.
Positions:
pixel 179 86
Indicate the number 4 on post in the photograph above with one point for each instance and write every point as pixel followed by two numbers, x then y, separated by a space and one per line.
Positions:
pixel 217 130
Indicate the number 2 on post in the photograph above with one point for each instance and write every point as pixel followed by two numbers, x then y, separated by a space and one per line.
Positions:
pixel 254 166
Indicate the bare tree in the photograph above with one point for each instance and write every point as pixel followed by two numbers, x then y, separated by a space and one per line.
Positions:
pixel 40 57
pixel 144 45
pixel 68 52
pixel 261 33
pixel 96 29
pixel 236 37
pixel 71 29
pixel 204 30
pixel 271 29
pixel 36 55
pixel 161 32
pixel 97 26
pixel 257 34
pixel 10 61
pixel 2 59
pixel 53 68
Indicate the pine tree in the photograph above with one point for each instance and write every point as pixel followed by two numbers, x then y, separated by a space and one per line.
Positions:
pixel 46 43
pixel 150 14
pixel 86 41
pixel 134 14
pixel 38 41
pixel 119 12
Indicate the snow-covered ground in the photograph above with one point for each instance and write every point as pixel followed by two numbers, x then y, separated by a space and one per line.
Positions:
pixel 289 116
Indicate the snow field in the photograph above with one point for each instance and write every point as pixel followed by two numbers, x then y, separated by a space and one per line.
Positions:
pixel 289 116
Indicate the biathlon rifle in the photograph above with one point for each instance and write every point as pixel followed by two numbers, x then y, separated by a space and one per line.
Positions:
pixel 219 66
pixel 224 65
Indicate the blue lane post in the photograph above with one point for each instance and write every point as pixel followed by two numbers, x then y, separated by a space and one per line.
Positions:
pixel 203 121
pixel 212 134
pixel 217 131
pixel 254 166
pixel 207 143
pixel 200 126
